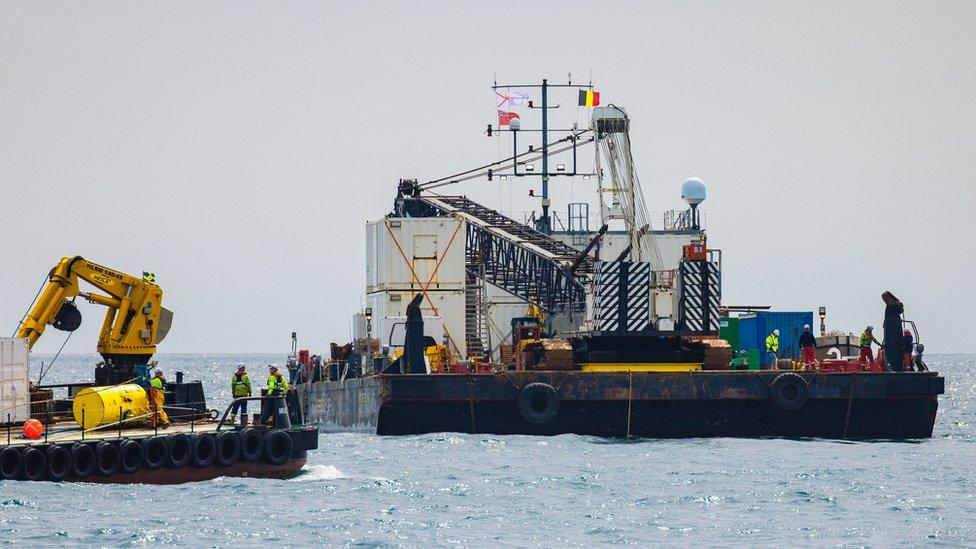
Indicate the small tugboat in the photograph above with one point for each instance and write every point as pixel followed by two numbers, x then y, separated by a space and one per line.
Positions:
pixel 99 432
pixel 613 332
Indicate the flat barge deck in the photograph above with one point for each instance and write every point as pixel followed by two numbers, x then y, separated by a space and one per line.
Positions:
pixel 861 405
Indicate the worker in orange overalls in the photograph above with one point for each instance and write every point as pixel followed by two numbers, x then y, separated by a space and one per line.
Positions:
pixel 157 392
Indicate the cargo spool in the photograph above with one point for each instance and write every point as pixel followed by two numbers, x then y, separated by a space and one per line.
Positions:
pixel 102 405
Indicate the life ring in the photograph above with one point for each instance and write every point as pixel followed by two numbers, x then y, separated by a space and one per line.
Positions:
pixel 154 452
pixel 538 403
pixel 58 462
pixel 228 448
pixel 10 463
pixel 34 466
pixel 177 450
pixel 107 458
pixel 131 456
pixel 277 447
pixel 82 460
pixel 789 391
pixel 202 452
pixel 252 444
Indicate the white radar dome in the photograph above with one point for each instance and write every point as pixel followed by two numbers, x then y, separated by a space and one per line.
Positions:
pixel 515 124
pixel 693 191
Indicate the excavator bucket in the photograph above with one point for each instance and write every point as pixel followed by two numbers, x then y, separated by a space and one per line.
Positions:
pixel 165 323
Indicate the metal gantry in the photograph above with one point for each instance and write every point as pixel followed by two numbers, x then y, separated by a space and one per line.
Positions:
pixel 515 257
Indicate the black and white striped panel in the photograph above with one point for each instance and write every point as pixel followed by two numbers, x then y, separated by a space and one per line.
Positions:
pixel 606 301
pixel 701 285
pixel 638 297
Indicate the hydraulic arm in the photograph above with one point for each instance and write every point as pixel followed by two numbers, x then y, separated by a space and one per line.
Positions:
pixel 135 320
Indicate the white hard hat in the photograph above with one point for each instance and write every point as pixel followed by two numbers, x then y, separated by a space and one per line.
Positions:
pixel 806 327
pixel 776 332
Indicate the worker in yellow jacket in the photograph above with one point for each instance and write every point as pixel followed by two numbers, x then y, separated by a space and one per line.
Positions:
pixel 772 349
pixel 157 394
pixel 277 386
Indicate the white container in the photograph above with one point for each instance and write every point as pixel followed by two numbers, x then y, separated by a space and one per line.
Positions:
pixel 14 380
pixel 395 244
pixel 390 307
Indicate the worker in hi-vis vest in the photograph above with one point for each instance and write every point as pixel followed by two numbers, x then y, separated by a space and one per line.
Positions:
pixel 867 337
pixel 157 394
pixel 277 386
pixel 240 386
pixel 772 348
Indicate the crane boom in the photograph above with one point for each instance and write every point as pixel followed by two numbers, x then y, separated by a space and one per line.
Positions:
pixel 135 320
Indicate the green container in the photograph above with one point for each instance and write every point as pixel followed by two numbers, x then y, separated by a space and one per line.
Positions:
pixel 728 329
pixel 754 363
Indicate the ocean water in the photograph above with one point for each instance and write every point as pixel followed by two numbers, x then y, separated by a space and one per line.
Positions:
pixel 475 490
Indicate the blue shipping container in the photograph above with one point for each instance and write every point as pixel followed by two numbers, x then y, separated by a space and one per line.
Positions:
pixel 754 327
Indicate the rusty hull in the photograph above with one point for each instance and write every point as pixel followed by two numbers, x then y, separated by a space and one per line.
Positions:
pixel 646 404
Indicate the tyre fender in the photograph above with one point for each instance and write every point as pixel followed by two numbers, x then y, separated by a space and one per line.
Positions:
pixel 252 444
pixel 538 403
pixel 154 452
pixel 35 463
pixel 789 391
pixel 178 450
pixel 58 462
pixel 277 447
pixel 82 460
pixel 131 456
pixel 203 450
pixel 11 462
pixel 228 448
pixel 107 458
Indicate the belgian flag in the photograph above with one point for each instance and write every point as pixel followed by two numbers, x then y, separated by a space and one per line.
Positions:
pixel 589 98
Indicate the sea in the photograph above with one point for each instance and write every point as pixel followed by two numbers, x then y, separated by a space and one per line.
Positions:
pixel 450 489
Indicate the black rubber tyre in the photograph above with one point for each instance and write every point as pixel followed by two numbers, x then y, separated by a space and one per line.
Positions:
pixel 107 458
pixel 203 450
pixel 277 447
pixel 58 463
pixel 82 460
pixel 538 403
pixel 228 448
pixel 11 462
pixel 153 452
pixel 35 464
pixel 178 450
pixel 131 456
pixel 789 391
pixel 252 444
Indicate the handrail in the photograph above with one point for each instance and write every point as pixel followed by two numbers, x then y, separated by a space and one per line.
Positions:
pixel 242 399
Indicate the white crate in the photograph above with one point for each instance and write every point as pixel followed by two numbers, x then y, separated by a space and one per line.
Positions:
pixel 14 380
pixel 394 245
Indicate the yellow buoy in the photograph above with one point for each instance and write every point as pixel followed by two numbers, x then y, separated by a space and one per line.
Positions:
pixel 101 405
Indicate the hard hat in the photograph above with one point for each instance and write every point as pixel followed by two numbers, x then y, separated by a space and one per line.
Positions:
pixel 776 333
pixel 241 366
pixel 273 367
pixel 908 332
pixel 806 327
pixel 159 372
pixel 870 327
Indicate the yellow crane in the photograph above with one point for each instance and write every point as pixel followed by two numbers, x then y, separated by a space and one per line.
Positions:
pixel 135 320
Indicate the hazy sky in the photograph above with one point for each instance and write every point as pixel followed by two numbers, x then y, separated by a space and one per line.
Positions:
pixel 237 148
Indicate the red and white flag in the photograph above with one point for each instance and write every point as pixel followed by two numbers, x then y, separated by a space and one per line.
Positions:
pixel 505 117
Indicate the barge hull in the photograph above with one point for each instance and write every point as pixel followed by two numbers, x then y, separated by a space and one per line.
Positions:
pixel 652 405
pixel 182 475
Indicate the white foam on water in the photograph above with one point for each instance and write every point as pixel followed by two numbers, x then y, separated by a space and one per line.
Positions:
pixel 319 472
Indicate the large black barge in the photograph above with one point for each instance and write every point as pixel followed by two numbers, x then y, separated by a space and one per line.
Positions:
pixel 863 405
